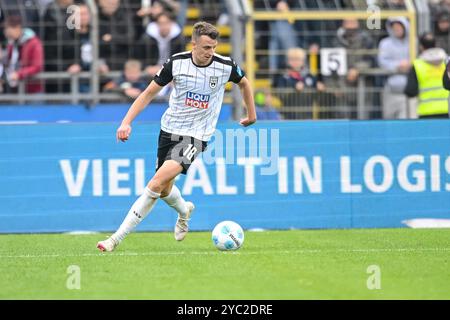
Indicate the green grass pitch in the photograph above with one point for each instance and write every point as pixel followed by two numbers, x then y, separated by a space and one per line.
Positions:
pixel 301 264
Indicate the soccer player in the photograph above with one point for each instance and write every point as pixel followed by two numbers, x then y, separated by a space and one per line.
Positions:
pixel 199 79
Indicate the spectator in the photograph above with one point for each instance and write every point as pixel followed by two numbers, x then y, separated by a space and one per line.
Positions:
pixel 83 47
pixel 42 5
pixel 282 37
pixel 28 10
pixel 83 56
pixel 58 43
pixel 425 80
pixel 355 40
pixel 146 14
pixel 351 37
pixel 131 83
pixel 24 57
pixel 162 39
pixel 297 74
pixel 157 7
pixel 438 8
pixel 116 33
pixel 176 8
pixel 317 32
pixel 300 83
pixel 393 56
pixel 442 31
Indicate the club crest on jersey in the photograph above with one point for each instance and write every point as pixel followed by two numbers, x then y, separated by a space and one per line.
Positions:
pixel 197 100
pixel 213 81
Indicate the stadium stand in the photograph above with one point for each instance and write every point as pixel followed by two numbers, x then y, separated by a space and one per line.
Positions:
pixel 331 33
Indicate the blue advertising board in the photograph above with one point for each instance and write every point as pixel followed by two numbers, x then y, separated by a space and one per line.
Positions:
pixel 274 175
pixel 104 112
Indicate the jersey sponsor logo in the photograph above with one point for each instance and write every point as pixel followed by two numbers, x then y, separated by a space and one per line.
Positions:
pixel 213 81
pixel 197 100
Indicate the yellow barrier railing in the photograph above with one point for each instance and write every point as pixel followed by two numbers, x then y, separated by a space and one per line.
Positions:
pixel 250 58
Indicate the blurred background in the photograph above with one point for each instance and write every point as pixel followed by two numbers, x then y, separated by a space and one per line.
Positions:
pixel 325 59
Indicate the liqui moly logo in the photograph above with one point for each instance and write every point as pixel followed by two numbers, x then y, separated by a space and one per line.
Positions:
pixel 197 100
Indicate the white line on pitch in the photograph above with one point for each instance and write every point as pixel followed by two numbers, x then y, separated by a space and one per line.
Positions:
pixel 242 252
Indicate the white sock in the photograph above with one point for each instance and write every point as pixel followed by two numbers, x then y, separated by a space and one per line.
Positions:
pixel 139 210
pixel 176 201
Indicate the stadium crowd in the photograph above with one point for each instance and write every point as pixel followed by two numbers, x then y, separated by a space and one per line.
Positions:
pixel 127 32
pixel 41 35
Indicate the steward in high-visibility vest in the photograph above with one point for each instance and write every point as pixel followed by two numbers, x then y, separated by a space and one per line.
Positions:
pixel 425 80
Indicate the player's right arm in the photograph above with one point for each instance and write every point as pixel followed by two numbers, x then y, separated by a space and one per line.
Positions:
pixel 138 105
pixel 238 76
pixel 162 78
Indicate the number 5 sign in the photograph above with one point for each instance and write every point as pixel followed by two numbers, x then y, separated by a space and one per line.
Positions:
pixel 333 60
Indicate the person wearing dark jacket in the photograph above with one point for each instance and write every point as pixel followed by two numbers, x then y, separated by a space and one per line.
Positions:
pixel 297 86
pixel 116 33
pixel 131 83
pixel 425 80
pixel 83 55
pixel 446 79
pixel 58 43
pixel 24 56
pixel 442 31
pixel 162 39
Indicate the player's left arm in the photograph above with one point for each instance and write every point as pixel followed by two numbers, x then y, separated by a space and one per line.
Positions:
pixel 247 94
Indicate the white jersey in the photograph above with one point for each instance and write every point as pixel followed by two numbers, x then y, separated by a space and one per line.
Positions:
pixel 197 94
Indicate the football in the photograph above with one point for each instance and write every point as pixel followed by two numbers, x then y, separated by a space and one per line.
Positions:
pixel 228 235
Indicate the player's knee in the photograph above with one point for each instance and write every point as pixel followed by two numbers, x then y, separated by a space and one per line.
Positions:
pixel 164 193
pixel 157 185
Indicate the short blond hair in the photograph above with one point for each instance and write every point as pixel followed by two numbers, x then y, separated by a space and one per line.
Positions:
pixel 296 53
pixel 132 63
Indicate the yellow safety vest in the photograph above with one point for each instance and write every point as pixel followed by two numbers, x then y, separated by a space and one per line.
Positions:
pixel 433 98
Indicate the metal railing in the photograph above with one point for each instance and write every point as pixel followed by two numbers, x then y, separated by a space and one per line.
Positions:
pixel 74 96
pixel 94 34
pixel 321 15
pixel 363 100
pixel 239 13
